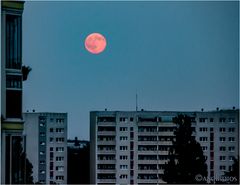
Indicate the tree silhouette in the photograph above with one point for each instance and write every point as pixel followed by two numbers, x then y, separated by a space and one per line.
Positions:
pixel 25 71
pixel 186 156
pixel 21 167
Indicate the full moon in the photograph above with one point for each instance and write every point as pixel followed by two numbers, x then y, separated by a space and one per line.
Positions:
pixel 95 43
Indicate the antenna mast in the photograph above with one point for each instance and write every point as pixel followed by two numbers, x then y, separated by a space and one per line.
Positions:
pixel 136 102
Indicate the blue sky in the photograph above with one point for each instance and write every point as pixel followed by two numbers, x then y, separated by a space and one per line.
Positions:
pixel 175 55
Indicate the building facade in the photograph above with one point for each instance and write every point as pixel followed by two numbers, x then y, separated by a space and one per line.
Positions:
pixel 132 147
pixel 46 146
pixel 11 92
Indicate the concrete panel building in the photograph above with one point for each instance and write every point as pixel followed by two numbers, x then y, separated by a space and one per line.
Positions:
pixel 132 147
pixel 11 92
pixel 46 146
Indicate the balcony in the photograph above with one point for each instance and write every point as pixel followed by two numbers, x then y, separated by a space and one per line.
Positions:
pixel 147 161
pixel 106 162
pixel 113 181
pixel 106 171
pixel 148 171
pixel 147 142
pixel 147 181
pixel 167 133
pixel 149 152
pixel 106 151
pixel 106 142
pixel 106 124
pixel 106 133
pixel 146 133
pixel 165 143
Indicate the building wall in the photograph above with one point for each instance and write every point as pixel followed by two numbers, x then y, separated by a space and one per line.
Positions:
pixel 131 147
pixel 11 88
pixel 48 132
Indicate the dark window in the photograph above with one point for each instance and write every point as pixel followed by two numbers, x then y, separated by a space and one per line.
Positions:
pixel 131 119
pixel 131 135
pixel 51 167
pixel 13 41
pixel 51 129
pixel 14 81
pixel 131 155
pixel 13 104
pixel 131 145
pixel 211 119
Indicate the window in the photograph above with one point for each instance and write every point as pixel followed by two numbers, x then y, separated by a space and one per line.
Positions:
pixel 59 177
pixel 222 148
pixel 211 129
pixel 204 148
pixel 123 157
pixel 60 130
pixel 60 168
pixel 211 120
pixel 123 167
pixel 60 120
pixel 222 158
pixel 231 148
pixel 222 168
pixel 42 162
pixel 123 176
pixel 59 158
pixel 222 139
pixel 13 104
pixel 59 149
pixel 203 129
pixel 123 138
pixel 13 41
pixel 60 139
pixel 231 139
pixel 123 128
pixel 42 172
pixel 42 152
pixel 51 148
pixel 222 120
pixel 231 129
pixel 203 139
pixel 51 139
pixel 123 147
pixel 222 129
pixel 42 134
pixel 51 129
pixel 231 158
pixel 202 120
pixel 131 119
pixel 51 119
pixel 123 119
pixel 42 143
pixel 231 120
pixel 14 81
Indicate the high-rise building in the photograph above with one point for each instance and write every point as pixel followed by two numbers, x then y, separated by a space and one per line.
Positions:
pixel 132 147
pixel 11 93
pixel 46 146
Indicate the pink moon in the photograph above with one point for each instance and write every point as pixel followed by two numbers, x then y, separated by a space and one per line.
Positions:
pixel 95 43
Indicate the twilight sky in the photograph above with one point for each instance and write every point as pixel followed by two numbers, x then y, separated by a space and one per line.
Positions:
pixel 175 55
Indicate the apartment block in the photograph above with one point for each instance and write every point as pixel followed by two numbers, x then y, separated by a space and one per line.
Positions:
pixel 46 146
pixel 132 147
pixel 11 92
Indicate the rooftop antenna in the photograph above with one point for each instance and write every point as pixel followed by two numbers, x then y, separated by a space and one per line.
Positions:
pixel 136 102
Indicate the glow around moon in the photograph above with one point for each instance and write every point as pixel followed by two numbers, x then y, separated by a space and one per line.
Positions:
pixel 95 43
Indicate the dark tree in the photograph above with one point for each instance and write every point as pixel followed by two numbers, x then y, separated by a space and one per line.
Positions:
pixel 233 175
pixel 187 161
pixel 21 167
pixel 78 163
pixel 25 71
